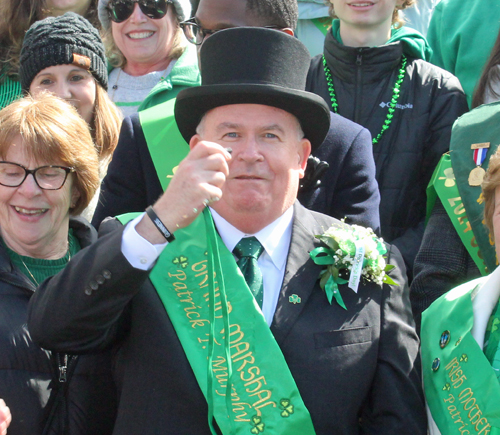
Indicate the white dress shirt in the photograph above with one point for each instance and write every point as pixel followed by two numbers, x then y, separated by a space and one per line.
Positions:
pixel 275 238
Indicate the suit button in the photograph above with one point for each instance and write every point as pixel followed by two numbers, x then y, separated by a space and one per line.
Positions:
pixel 93 285
pixel 88 291
pixel 143 260
pixel 100 279
pixel 106 274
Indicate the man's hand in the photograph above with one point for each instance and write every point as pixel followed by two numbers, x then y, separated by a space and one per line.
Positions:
pixel 197 182
pixel 5 417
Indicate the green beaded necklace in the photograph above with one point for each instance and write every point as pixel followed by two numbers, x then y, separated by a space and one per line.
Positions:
pixel 392 104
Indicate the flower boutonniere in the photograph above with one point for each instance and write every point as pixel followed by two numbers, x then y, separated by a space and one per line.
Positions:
pixel 352 253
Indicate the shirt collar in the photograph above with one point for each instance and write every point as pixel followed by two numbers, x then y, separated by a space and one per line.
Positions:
pixel 275 238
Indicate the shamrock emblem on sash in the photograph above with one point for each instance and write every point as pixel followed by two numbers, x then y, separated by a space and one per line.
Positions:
pixel 449 177
pixel 464 357
pixel 286 407
pixel 181 261
pixel 258 425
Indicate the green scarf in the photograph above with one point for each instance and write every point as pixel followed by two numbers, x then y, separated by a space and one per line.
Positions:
pixel 414 43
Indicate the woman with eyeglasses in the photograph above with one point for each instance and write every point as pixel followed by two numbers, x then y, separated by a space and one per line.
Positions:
pixel 48 174
pixel 151 58
pixel 65 56
pixel 15 19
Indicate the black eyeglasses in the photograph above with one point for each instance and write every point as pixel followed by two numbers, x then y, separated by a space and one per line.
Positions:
pixel 121 10
pixel 196 34
pixel 46 177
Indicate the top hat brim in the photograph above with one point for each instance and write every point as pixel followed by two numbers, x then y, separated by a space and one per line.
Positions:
pixel 310 109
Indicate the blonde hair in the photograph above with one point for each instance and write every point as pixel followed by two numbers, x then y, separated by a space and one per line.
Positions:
pixel 53 131
pixel 116 57
pixel 397 21
pixel 490 183
pixel 105 125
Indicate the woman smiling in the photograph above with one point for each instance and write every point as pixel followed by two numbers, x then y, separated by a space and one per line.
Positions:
pixel 48 173
pixel 145 44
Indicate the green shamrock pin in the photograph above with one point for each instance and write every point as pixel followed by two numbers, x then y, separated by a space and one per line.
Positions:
pixel 286 407
pixel 258 425
pixel 464 358
pixel 446 387
pixel 181 261
pixel 295 299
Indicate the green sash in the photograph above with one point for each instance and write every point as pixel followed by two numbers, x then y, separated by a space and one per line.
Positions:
pixel 480 125
pixel 443 185
pixel 165 142
pixel 461 388
pixel 243 374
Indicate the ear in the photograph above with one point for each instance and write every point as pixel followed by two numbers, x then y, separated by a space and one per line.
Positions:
pixel 75 196
pixel 289 31
pixel 194 141
pixel 303 155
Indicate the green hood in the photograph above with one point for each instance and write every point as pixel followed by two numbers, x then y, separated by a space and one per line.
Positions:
pixel 414 43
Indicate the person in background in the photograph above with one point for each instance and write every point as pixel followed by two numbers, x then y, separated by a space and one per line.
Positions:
pixel 16 17
pixel 347 189
pixel 461 34
pixel 300 364
pixel 373 72
pixel 460 341
pixel 65 56
pixel 48 174
pixel 151 59
pixel 5 417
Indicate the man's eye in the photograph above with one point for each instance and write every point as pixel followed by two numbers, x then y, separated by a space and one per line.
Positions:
pixel 232 135
pixel 270 136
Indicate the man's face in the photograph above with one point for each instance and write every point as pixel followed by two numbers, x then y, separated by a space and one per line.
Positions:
pixel 224 14
pixel 269 157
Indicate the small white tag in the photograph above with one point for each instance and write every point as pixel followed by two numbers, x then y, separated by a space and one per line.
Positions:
pixel 357 266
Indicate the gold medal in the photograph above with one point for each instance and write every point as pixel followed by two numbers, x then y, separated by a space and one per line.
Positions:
pixel 476 176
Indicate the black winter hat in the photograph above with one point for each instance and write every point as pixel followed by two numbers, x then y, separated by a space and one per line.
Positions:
pixel 67 39
pixel 252 65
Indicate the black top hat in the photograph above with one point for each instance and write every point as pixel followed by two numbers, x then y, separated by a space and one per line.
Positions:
pixel 253 65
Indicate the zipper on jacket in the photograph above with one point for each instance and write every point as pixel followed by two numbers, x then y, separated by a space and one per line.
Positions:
pixel 64 365
pixel 359 86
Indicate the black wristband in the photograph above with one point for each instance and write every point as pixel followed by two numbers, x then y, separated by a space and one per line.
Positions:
pixel 159 225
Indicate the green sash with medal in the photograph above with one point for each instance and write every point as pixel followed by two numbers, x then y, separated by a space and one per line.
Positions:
pixel 457 181
pixel 165 142
pixel 242 372
pixel 461 389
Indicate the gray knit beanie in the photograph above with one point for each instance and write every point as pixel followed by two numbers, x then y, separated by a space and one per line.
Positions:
pixel 64 40
pixel 182 9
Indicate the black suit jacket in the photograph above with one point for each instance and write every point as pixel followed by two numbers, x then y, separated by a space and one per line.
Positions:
pixel 355 368
pixel 348 188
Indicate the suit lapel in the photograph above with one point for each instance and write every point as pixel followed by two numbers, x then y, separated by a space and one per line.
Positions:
pixel 301 273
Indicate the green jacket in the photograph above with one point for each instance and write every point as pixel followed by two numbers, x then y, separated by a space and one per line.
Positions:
pixel 461 35
pixel 184 74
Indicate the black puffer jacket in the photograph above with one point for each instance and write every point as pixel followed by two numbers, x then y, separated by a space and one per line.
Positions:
pixel 29 378
pixel 431 100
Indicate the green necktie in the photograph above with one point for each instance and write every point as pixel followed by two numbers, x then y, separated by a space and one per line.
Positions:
pixel 248 250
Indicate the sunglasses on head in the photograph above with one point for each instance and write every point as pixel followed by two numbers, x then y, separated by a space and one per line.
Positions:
pixel 121 10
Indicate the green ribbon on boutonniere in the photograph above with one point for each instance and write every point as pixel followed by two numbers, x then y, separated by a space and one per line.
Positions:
pixel 329 277
pixel 351 253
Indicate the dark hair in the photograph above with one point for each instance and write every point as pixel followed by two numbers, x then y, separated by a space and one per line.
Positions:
pixel 16 17
pixel 490 74
pixel 281 13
